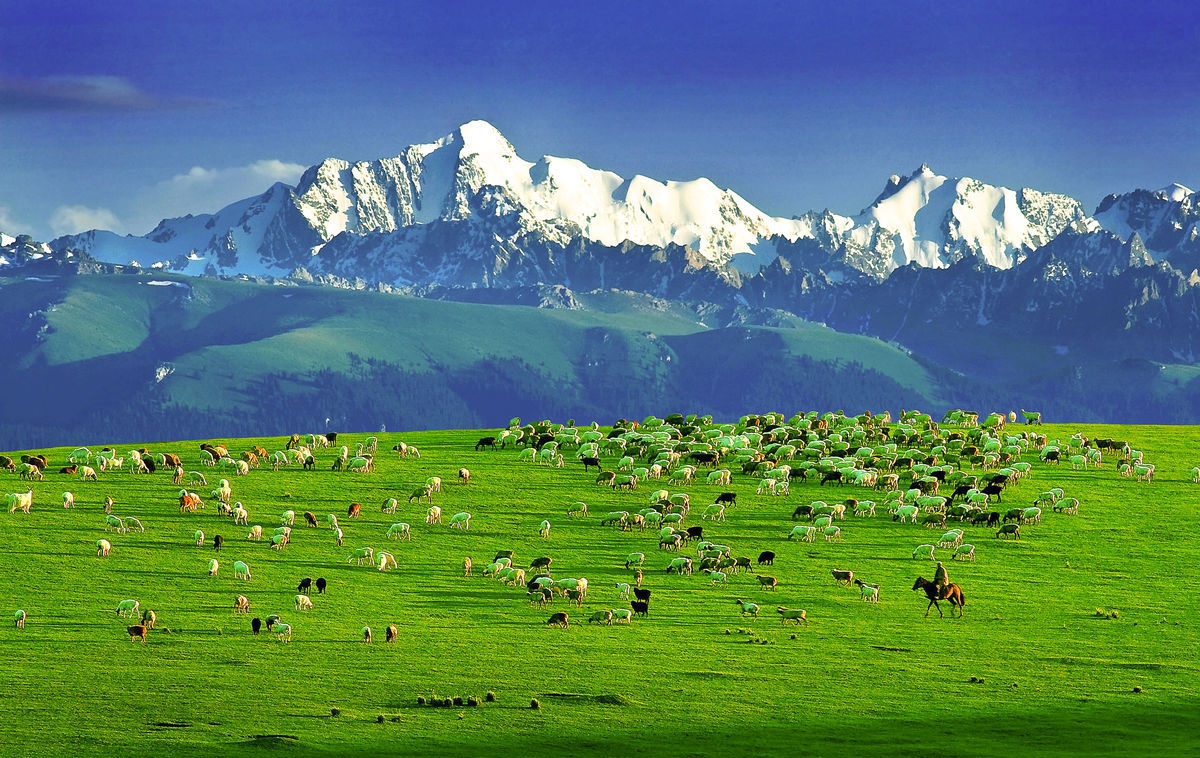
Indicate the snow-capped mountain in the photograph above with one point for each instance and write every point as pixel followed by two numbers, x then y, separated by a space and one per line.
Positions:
pixel 1167 220
pixel 474 175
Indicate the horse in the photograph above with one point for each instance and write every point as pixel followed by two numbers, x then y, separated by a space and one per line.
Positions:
pixel 951 592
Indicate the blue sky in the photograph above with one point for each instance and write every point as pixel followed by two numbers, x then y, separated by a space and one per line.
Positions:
pixel 115 115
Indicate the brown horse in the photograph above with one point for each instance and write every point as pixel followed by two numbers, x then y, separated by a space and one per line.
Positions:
pixel 951 592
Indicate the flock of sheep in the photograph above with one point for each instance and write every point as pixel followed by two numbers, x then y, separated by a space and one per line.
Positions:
pixel 918 472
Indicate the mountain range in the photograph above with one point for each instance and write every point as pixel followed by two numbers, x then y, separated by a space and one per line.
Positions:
pixel 1020 289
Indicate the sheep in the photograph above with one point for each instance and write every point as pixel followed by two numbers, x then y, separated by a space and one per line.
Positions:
pixel 1031 515
pixel 715 512
pixel 680 566
pixel 241 604
pixel 870 592
pixel 331 520
pixel 288 518
pixel 601 617
pixel 21 500
pixel 767 581
pixel 952 538
pixel 283 631
pixel 103 548
pixel 213 567
pixel 843 576
pixel 577 509
pixel 433 515
pixel 280 541
pixel 149 618
pixel 240 515
pixel 464 476
pixel 923 551
pixel 363 554
pixel 560 618
pixel 137 632
pixel 391 633
pixel 833 534
pixel 241 571
pixel 718 577
pixel 434 483
pixel 337 537
pixel 128 608
pixel 321 584
pixel 965 551
pixel 132 523
pixel 467 566
pixel 255 533
pixel 640 607
pixel 366 634
pixel 68 499
pixel 1009 529
pixel 354 511
pixel 272 620
pixel 399 530
pixel 389 506
pixel 623 588
pixel 386 560
pixel 620 615
pixel 766 558
pixel 635 558
pixel 255 625
pixel 463 521
pixel 747 608
pixel 19 619
pixel 87 472
pixel 217 541
pixel 200 537
pixel 804 532
pixel 787 614
pixel 303 603
pixel 305 585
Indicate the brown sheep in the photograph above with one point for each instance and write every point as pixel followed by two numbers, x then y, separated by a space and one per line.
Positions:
pixel 767 581
pixel 559 619
pixel 137 631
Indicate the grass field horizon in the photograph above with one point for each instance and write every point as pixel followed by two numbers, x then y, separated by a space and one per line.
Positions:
pixel 1039 665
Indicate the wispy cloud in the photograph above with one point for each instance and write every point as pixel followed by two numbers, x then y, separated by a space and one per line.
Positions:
pixel 73 219
pixel 10 225
pixel 58 93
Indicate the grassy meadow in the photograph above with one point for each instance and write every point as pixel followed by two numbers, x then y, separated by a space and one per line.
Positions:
pixel 1079 639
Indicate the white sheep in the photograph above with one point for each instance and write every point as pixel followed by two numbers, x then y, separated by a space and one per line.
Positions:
pixel 788 614
pixel 132 523
pixel 288 517
pixel 103 548
pixel 620 615
pixel 241 571
pixel 241 605
pixel 965 551
pixel 389 507
pixel 624 590
pixel 303 603
pixel 577 509
pixel 200 537
pixel 870 592
pixel 434 483
pixel 284 631
pixel 399 530
pixel 87 472
pixel 366 634
pixel 363 554
pixel 112 522
pixel 68 499
pixel 923 551
pixel 195 477
pixel 748 608
pixel 543 530
pixel 461 521
pixel 386 560
pixel 718 577
pixel 240 514
pixel 433 515
pixel 255 533
pixel 213 567
pixel 21 500
pixel 19 619
pixel 128 608
pixel 331 520
pixel 635 558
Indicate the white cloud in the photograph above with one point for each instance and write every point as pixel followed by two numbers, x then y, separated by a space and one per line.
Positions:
pixel 73 219
pixel 10 225
pixel 206 190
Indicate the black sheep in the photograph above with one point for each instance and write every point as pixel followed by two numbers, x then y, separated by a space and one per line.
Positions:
pixel 321 586
pixel 256 624
pixel 305 585
pixel 766 557
pixel 218 540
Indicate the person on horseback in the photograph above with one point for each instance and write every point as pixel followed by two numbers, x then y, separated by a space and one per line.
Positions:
pixel 940 580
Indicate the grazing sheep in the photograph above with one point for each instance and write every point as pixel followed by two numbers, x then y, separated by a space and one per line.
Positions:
pixel 137 632
pixel 804 532
pixel 87 472
pixel 255 533
pixel 241 571
pixel 149 618
pixel 305 585
pixel 601 617
pixel 789 614
pixel 399 531
pixel 433 515
pixel 284 631
pixel 965 552
pixel 767 581
pixel 366 634
pixel 288 518
pixel 363 554
pixel 310 519
pixel 635 558
pixel 766 558
pixel 389 506
pixel 577 509
pixel 272 620
pixel 624 590
pixel 391 633
pixel 331 520
pixel 21 500
pixel 240 515
pixel 255 625
pixel 386 560
pixel 242 605
pixel 747 608
pixel 870 592
pixel 354 511
pixel 132 523
pixel 640 607
pixel 218 541
pixel 559 619
pixel 543 531
pixel 923 551
pixel 842 576
pixel 19 619
pixel 461 521
pixel 321 585
pixel 1013 530
pixel 303 603
pixel 127 608
pixel 200 537
pixel 464 475
pixel 718 577
pixel 833 534
pixel 337 537
pixel 467 566
pixel 68 499
pixel 620 615
pixel 213 567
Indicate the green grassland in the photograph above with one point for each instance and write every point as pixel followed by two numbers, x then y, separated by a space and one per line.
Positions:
pixel 1031 668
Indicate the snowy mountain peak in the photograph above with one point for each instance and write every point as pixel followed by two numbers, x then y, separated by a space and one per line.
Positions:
pixel 1175 192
